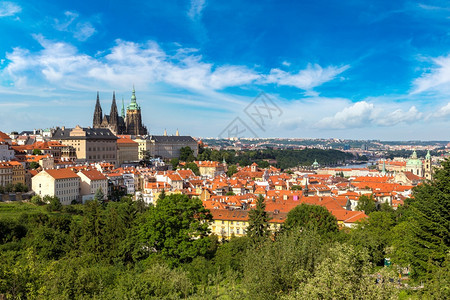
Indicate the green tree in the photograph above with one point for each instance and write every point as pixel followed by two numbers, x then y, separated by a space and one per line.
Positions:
pixel 185 153
pixel 306 216
pixel 275 268
pixel 232 169
pixel 177 228
pixel 296 188
pixel 422 238
pixel 92 228
pixel 20 187
pixel 258 225
pixel 162 195
pixel 37 152
pixel 9 188
pixel 345 274
pixel 375 235
pixel 36 199
pixel 34 165
pixel 53 203
pixel 99 195
pixel 174 162
pixel 192 166
pixel 366 204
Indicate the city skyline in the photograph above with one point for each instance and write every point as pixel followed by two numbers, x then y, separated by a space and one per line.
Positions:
pixel 348 70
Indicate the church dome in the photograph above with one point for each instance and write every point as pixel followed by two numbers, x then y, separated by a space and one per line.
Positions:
pixel 413 161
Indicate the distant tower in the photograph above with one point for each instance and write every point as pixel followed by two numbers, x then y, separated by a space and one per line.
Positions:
pixel 428 166
pixel 177 133
pixel 133 119
pixel 383 170
pixel 165 132
pixel 123 110
pixel 114 116
pixel 306 189
pixel 98 114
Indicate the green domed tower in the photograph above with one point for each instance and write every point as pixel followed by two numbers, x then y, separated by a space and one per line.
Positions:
pixel 133 119
pixel 414 165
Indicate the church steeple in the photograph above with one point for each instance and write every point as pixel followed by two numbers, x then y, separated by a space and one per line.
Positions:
pixel 113 115
pixel 123 110
pixel 98 114
pixel 133 105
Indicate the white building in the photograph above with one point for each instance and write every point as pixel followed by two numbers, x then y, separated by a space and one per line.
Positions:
pixel 62 183
pixel 90 182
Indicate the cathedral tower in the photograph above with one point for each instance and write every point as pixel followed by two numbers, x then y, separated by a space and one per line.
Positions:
pixel 114 116
pixel 133 118
pixel 98 114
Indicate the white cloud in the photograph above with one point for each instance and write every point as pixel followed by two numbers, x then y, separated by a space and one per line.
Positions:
pixel 81 30
pixel 84 30
pixel 307 79
pixel 356 115
pixel 9 9
pixel 196 8
pixel 365 114
pixel 398 116
pixel 437 79
pixel 443 112
pixel 143 64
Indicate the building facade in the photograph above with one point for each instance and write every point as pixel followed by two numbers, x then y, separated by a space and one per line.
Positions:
pixel 169 146
pixel 62 183
pixel 90 182
pixel 91 144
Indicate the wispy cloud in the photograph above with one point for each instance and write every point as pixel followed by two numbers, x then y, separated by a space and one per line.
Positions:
pixel 365 114
pixel 9 9
pixel 307 79
pixel 195 9
pixel 437 78
pixel 81 30
pixel 145 63
pixel 442 112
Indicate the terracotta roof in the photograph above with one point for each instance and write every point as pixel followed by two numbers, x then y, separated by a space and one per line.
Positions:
pixel 4 136
pixel 93 174
pixel 61 173
pixel 126 141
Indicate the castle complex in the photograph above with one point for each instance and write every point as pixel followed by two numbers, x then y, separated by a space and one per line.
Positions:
pixel 130 124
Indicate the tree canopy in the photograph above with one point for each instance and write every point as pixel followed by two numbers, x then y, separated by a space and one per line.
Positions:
pixel 306 216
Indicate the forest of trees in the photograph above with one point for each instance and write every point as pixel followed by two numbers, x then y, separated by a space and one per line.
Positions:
pixel 126 250
pixel 284 158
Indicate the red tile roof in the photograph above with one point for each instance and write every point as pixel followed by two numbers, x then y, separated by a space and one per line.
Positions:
pixel 61 173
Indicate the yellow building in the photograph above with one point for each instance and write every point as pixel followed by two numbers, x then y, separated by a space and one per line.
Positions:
pixel 127 150
pixel 210 168
pixel 18 172
pixel 227 223
pixel 91 144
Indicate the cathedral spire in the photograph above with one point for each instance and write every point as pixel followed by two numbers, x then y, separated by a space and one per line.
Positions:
pixel 98 114
pixel 114 116
pixel 123 109
pixel 133 105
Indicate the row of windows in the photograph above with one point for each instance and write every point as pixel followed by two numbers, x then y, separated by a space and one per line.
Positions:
pixel 103 156
pixel 65 192
pixel 102 149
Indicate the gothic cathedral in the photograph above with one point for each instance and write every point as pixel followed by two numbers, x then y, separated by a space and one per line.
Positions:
pixel 130 124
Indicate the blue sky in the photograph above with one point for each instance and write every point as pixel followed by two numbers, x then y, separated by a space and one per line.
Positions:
pixel 343 69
